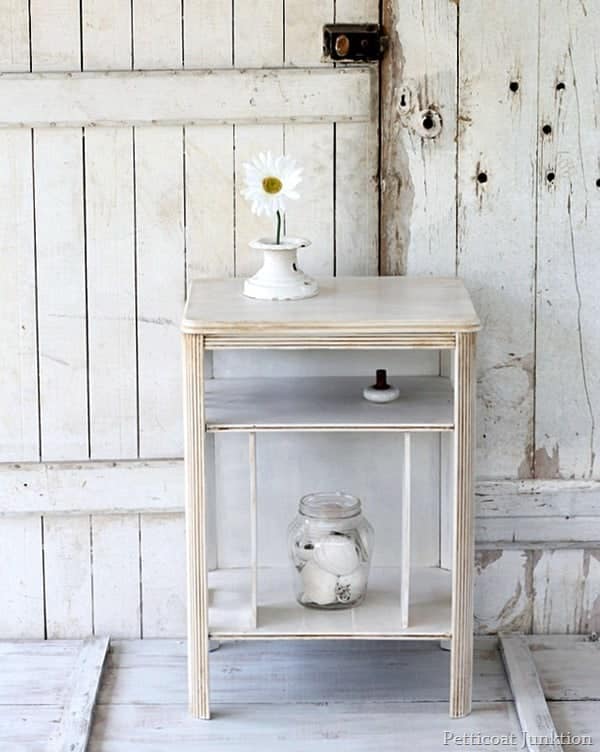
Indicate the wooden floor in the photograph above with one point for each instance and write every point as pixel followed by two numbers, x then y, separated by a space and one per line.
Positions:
pixel 293 696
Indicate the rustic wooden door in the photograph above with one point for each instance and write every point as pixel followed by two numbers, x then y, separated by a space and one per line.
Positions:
pixel 115 190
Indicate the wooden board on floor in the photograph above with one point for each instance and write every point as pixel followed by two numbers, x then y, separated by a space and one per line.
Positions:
pixel 530 703
pixel 73 732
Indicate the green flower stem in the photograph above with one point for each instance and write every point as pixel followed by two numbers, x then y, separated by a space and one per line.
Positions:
pixel 278 227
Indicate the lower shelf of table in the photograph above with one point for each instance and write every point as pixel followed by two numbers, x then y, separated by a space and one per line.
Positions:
pixel 280 617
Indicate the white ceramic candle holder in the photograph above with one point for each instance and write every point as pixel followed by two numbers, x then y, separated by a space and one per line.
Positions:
pixel 280 277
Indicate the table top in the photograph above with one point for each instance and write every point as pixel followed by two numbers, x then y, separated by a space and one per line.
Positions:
pixel 344 304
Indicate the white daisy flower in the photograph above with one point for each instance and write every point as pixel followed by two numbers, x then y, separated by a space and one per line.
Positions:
pixel 270 182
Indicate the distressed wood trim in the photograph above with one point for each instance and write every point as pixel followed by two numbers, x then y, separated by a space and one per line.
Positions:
pixel 538 498
pixel 91 487
pixel 75 726
pixel 538 513
pixel 532 709
pixel 364 342
pixel 518 514
pixel 191 97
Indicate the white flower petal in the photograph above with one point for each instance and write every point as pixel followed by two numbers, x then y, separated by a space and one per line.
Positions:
pixel 265 165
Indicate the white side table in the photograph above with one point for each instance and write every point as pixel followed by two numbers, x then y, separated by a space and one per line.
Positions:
pixel 358 313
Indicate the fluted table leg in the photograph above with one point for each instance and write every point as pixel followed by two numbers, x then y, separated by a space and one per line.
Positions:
pixel 195 518
pixel 461 661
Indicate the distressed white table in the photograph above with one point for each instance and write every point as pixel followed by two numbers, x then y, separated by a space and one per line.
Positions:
pixel 358 313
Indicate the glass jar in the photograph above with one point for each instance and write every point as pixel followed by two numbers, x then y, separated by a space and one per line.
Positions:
pixel 330 546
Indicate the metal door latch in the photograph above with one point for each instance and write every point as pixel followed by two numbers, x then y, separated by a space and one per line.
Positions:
pixel 353 43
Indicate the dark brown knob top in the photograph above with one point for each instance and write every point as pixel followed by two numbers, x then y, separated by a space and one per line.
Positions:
pixel 381 379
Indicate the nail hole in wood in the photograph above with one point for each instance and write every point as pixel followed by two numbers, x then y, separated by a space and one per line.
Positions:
pixel 550 176
pixel 547 129
pixel 560 86
pixel 598 183
pixel 403 100
pixel 482 177
pixel 514 86
pixel 428 122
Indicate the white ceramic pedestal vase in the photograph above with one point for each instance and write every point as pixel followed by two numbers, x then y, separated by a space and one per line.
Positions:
pixel 280 278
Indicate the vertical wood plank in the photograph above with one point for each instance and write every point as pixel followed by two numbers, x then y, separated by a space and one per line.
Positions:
pixel 110 248
pixel 357 172
pixel 21 568
pixel 312 146
pixel 163 575
pixel 106 34
pixel 116 575
pixel 59 219
pixel 303 30
pixel 501 280
pixel 19 392
pixel 61 294
pixel 262 48
pixel 568 350
pixel 18 396
pixel 157 34
pixel 418 233
pixel 68 577
pixel 160 285
pixel 210 222
pixel 14 36
pixel 195 531
pixel 209 162
pixel 461 659
pixel 159 200
pixel 566 587
pixel 207 32
pixel 111 293
pixel 55 35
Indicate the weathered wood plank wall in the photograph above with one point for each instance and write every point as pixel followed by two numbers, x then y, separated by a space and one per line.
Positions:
pixel 100 228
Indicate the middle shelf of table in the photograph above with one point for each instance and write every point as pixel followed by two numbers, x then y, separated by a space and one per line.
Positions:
pixel 331 403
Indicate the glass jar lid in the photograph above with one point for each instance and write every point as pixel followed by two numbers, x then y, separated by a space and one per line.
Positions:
pixel 329 505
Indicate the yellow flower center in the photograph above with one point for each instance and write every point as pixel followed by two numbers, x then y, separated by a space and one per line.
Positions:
pixel 272 185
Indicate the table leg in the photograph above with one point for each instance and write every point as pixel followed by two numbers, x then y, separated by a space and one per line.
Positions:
pixel 195 518
pixel 461 660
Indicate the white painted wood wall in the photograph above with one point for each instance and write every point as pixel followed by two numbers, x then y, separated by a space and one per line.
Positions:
pixel 100 228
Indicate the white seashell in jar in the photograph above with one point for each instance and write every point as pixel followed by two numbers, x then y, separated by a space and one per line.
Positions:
pixel 317 586
pixel 336 554
pixel 351 587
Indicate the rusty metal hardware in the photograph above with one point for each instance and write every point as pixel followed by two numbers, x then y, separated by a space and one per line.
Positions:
pixel 353 43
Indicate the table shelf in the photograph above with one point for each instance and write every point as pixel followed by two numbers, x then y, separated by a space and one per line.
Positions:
pixel 279 616
pixel 333 403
